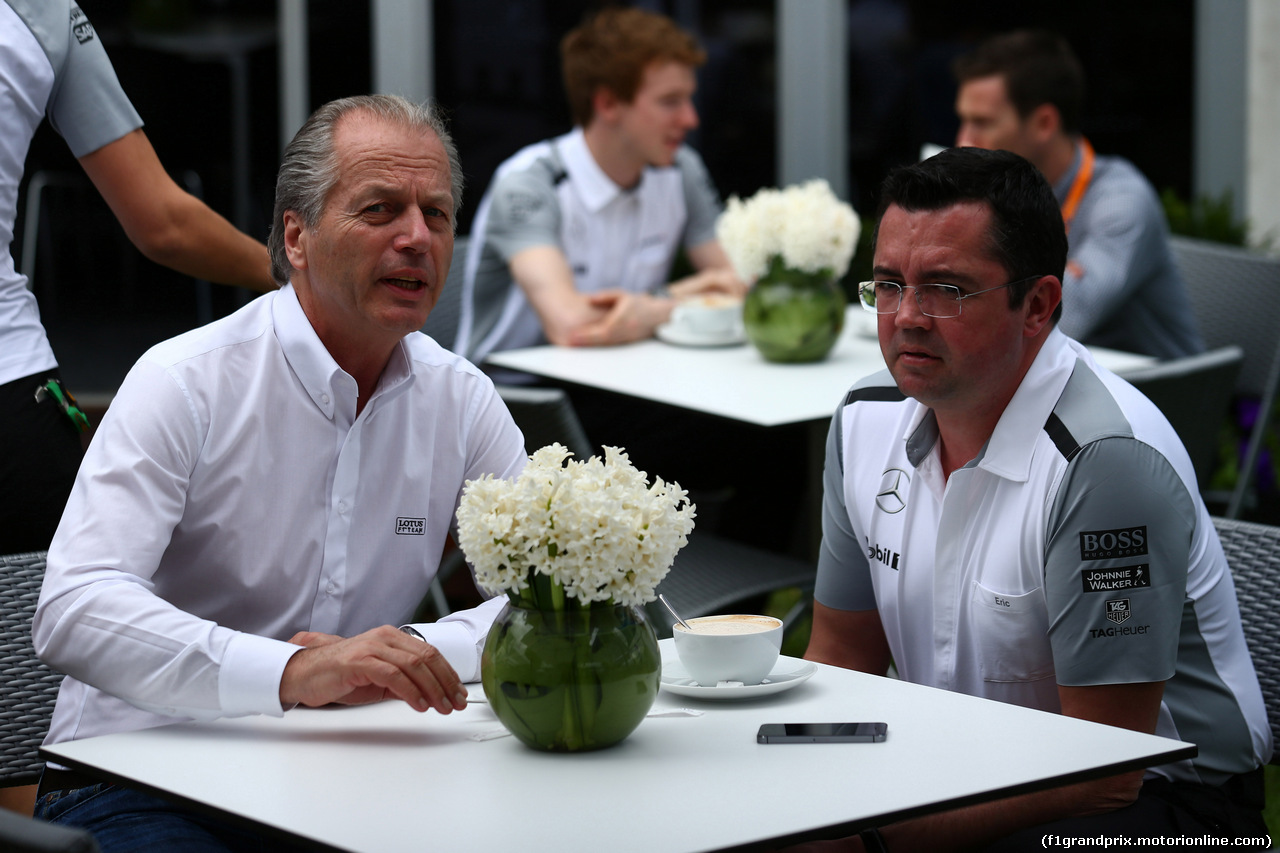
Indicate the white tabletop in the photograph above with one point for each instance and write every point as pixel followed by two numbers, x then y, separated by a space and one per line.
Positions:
pixel 382 777
pixel 734 381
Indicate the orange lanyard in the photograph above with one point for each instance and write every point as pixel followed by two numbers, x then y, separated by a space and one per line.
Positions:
pixel 1079 185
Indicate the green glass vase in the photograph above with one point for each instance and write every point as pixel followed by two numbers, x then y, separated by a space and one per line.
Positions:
pixel 571 680
pixel 794 316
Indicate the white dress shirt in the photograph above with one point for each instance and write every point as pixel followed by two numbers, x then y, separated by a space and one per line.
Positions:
pixel 232 497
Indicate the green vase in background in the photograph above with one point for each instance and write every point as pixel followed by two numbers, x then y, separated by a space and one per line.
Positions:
pixel 793 316
pixel 571 680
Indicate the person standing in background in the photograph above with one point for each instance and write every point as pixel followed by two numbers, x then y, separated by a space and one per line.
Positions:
pixel 53 64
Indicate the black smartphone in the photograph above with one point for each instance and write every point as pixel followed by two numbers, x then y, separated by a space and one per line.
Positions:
pixel 822 733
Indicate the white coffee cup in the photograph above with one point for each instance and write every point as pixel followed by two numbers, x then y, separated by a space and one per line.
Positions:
pixel 711 315
pixel 733 647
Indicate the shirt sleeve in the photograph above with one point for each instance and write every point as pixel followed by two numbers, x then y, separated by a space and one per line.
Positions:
pixel 1111 256
pixel 844 575
pixel 1116 560
pixel 98 619
pixel 87 106
pixel 701 198
pixel 523 212
pixel 460 636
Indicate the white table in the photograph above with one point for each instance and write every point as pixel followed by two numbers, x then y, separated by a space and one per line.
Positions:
pixel 733 382
pixel 382 777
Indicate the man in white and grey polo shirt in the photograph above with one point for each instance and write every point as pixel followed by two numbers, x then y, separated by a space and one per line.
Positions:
pixel 1005 518
pixel 576 235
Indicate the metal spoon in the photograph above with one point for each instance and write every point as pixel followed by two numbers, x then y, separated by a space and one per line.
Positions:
pixel 667 604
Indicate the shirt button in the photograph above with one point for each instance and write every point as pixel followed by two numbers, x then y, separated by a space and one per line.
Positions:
pixel 331 589
pixel 342 507
pixel 324 398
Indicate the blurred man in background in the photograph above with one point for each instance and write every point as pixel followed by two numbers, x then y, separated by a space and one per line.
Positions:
pixel 1024 92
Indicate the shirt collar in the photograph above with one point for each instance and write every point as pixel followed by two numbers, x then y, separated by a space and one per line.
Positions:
pixel 591 183
pixel 1009 451
pixel 325 381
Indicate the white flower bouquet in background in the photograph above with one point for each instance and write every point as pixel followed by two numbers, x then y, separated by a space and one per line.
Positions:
pixel 594 530
pixel 795 245
pixel 803 227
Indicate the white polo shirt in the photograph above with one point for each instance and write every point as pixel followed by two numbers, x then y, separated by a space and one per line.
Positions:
pixel 1074 550
pixel 233 497
pixel 553 193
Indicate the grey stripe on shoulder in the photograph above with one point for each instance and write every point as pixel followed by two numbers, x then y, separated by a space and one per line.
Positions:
pixel 48 22
pixel 1086 412
pixel 879 387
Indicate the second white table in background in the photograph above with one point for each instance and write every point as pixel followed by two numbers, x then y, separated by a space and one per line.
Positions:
pixel 732 382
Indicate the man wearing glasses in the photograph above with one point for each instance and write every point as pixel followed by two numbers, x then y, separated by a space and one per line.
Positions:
pixel 1005 518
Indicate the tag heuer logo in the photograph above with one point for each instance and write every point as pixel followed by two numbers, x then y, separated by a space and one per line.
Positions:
pixel 411 526
pixel 1118 610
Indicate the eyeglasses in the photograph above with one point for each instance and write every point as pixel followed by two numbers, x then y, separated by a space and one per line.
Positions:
pixel 941 301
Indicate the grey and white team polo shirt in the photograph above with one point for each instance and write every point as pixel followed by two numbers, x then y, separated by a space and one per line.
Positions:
pixel 554 194
pixel 1122 288
pixel 1074 550
pixel 51 63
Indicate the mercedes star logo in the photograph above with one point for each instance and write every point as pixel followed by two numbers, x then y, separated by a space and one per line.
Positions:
pixel 892 496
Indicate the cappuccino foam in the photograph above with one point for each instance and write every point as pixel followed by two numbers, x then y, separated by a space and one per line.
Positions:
pixel 730 625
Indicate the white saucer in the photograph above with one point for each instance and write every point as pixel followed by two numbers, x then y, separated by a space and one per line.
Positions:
pixel 679 336
pixel 788 672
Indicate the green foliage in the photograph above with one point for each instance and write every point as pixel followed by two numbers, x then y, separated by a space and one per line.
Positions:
pixel 779 605
pixel 1206 217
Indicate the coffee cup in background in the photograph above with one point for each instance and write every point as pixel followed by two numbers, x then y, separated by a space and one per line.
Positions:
pixel 734 647
pixel 711 315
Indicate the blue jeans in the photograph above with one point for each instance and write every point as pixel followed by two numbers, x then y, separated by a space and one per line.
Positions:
pixel 129 821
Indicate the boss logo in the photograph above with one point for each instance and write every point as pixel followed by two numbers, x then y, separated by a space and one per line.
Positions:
pixel 411 526
pixel 1107 544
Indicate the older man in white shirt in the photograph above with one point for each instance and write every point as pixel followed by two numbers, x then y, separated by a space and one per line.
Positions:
pixel 270 494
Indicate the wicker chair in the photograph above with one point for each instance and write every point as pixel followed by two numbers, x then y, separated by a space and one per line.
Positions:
pixel 1247 317
pixel 19 834
pixel 1253 552
pixel 30 687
